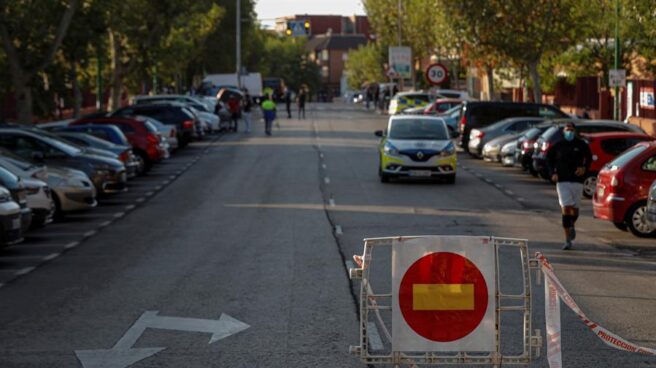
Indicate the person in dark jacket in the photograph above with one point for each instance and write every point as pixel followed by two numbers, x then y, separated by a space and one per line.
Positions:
pixel 302 96
pixel 288 102
pixel 569 161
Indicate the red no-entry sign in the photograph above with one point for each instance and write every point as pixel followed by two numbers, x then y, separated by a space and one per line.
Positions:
pixel 443 297
pixel 443 294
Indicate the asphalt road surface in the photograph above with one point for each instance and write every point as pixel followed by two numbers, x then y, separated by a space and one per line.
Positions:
pixel 240 260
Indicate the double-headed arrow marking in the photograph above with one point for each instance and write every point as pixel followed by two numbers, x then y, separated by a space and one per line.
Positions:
pixel 123 355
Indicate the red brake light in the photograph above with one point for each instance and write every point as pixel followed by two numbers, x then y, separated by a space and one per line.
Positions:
pixel 188 124
pixel 545 146
pixel 528 144
pixel 463 122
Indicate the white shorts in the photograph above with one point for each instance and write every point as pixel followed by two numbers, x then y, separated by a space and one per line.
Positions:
pixel 569 194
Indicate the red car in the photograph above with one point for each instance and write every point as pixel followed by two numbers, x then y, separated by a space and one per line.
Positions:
pixel 623 187
pixel 142 135
pixel 605 147
pixel 441 105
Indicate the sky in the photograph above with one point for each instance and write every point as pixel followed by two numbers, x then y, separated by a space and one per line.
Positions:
pixel 267 10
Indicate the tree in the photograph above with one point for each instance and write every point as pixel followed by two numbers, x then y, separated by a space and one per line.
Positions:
pixel 30 45
pixel 365 65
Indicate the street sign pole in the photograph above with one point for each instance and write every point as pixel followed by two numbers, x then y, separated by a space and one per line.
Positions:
pixel 238 43
pixel 616 102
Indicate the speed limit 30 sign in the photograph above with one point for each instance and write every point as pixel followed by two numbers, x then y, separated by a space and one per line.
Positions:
pixel 436 74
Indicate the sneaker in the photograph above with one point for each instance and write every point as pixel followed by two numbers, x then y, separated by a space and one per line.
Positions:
pixel 572 233
pixel 567 245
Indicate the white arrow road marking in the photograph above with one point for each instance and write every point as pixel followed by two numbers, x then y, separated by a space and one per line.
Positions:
pixel 114 358
pixel 123 355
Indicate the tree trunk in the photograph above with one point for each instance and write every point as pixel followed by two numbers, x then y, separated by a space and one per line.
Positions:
pixel 490 81
pixel 535 78
pixel 77 94
pixel 24 101
pixel 117 72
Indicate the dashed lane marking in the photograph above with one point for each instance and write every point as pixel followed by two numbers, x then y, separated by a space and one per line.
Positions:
pixel 24 271
pixel 130 207
pixel 139 200
pixel 150 193
pixel 326 180
pixel 338 230
pixel 50 257
pixel 105 224
pixel 119 214
pixel 331 202
pixel 510 192
pixel 323 166
pixel 71 245
pixel 89 233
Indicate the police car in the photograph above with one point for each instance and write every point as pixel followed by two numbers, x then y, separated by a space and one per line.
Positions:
pixel 404 100
pixel 416 146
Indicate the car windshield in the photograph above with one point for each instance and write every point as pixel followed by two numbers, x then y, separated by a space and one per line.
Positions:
pixel 626 157
pixel 59 143
pixel 418 129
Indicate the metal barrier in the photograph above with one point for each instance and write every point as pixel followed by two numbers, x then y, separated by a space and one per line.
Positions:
pixel 373 306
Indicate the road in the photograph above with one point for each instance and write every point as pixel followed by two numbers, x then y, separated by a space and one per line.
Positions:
pixel 247 248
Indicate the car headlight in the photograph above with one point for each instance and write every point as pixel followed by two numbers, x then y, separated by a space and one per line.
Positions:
pixel 5 195
pixel 389 149
pixel 449 150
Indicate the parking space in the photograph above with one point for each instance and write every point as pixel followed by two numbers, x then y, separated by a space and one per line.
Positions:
pixel 52 241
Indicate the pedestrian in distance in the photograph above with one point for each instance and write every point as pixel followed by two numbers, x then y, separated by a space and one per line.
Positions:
pixel 235 111
pixel 288 102
pixel 302 96
pixel 269 113
pixel 247 105
pixel 569 161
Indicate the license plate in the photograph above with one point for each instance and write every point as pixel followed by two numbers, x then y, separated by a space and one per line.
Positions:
pixel 16 224
pixel 419 173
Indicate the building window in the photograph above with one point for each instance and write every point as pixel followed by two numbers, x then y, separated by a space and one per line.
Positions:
pixel 324 71
pixel 324 55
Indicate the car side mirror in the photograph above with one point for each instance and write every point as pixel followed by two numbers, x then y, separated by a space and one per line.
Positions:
pixel 38 156
pixel 379 133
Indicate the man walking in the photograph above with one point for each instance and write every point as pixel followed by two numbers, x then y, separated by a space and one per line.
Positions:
pixel 301 102
pixel 269 112
pixel 235 109
pixel 246 114
pixel 569 161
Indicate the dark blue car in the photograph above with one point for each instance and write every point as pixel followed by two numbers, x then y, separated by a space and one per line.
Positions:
pixel 109 133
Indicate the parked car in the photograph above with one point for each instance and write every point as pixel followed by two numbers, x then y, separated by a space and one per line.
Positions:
pixel 441 105
pixel 480 136
pixel 403 100
pixel 142 135
pixel 39 200
pixel 108 133
pixel 168 113
pixel 453 93
pixel 168 132
pixel 451 117
pixel 19 195
pixel 554 135
pixel 605 147
pixel 123 153
pixel 193 100
pixel 72 190
pixel 526 146
pixel 108 175
pixel 480 114
pixel 492 149
pixel 623 187
pixel 416 146
pixel 651 205
pixel 508 153
pixel 10 219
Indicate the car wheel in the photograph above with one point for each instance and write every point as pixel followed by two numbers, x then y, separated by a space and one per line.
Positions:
pixel 384 178
pixel 144 160
pixel 59 213
pixel 589 186
pixel 451 179
pixel 636 221
pixel 621 226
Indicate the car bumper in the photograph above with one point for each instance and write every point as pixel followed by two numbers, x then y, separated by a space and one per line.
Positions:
pixel 26 219
pixel 76 198
pixel 435 167
pixel 491 154
pixel 613 208
pixel 10 229
pixel 113 182
pixel 42 215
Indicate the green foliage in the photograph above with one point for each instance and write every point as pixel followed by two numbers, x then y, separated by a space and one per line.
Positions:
pixel 365 65
pixel 287 58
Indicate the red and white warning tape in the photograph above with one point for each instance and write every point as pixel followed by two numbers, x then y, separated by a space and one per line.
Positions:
pixel 554 291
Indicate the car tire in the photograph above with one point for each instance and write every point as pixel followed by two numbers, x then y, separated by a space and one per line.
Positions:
pixel 59 213
pixel 143 157
pixel 589 185
pixel 636 221
pixel 451 179
pixel 384 178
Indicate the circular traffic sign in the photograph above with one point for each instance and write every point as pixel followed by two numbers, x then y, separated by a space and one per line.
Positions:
pixel 436 74
pixel 443 296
